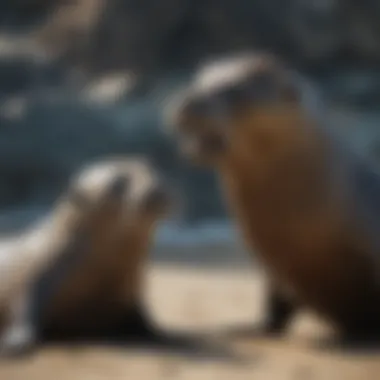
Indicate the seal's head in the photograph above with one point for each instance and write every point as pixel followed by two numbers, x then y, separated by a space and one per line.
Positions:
pixel 131 186
pixel 114 191
pixel 226 96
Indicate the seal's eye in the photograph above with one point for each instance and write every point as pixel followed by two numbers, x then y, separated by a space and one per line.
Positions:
pixel 231 94
pixel 119 186
pixel 262 87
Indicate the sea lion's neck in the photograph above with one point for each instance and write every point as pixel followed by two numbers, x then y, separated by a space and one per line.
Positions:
pixel 273 144
pixel 280 166
pixel 26 258
pixel 60 225
pixel 294 192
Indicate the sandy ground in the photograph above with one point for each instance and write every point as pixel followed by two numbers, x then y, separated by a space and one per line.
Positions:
pixel 201 302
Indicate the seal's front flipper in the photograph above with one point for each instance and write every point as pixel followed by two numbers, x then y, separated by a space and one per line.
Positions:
pixel 20 335
pixel 280 310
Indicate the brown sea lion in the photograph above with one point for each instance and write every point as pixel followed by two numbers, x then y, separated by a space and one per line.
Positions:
pixel 305 201
pixel 103 228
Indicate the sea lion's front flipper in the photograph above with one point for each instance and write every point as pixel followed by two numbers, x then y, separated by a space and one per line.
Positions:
pixel 20 335
pixel 279 309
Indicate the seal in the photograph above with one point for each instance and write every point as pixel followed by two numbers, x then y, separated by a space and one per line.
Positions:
pixel 103 228
pixel 307 203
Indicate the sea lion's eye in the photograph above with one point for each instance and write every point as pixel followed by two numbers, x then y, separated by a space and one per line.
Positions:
pixel 232 94
pixel 119 186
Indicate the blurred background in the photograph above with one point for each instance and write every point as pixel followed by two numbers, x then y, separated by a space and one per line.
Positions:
pixel 81 79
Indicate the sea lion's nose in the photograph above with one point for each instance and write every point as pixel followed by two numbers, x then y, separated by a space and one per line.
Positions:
pixel 157 198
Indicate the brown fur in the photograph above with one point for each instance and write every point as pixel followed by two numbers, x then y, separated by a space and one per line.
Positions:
pixel 298 193
pixel 100 289
pixel 103 226
pixel 103 287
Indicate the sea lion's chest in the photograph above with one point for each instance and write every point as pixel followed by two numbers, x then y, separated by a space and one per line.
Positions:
pixel 99 273
pixel 316 259
pixel 95 282
pixel 301 235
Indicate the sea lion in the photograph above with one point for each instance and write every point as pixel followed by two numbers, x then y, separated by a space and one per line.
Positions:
pixel 305 200
pixel 103 228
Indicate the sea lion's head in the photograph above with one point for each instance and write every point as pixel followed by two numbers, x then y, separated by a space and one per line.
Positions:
pixel 121 188
pixel 230 96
